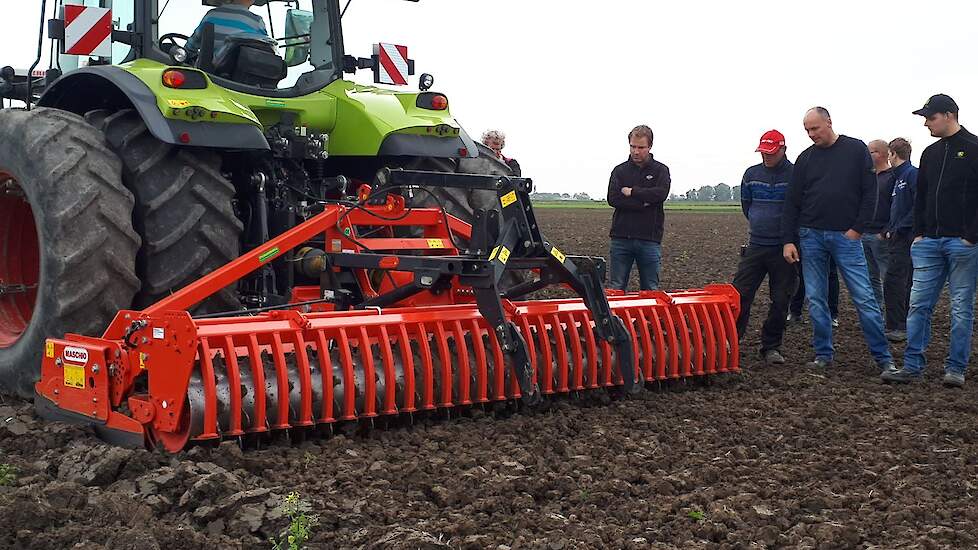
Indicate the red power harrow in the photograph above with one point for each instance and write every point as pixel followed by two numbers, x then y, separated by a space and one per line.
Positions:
pixel 397 325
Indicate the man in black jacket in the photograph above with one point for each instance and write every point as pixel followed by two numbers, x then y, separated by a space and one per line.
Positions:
pixel 830 201
pixel 637 189
pixel 945 229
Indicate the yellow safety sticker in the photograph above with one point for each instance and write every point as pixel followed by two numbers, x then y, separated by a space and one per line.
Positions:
pixel 142 361
pixel 492 256
pixel 178 103
pixel 504 255
pixel 74 376
pixel 508 199
pixel 49 349
pixel 436 243
pixel 557 254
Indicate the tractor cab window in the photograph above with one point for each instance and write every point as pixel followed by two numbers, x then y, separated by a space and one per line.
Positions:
pixel 123 17
pixel 290 24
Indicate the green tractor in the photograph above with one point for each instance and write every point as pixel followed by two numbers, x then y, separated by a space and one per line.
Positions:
pixel 147 165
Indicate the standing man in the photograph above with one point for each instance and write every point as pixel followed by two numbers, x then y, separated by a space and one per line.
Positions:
pixel 637 189
pixel 496 140
pixel 899 235
pixel 830 200
pixel 762 193
pixel 945 228
pixel 876 258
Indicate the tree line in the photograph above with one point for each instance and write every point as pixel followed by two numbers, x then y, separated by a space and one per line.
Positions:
pixel 720 192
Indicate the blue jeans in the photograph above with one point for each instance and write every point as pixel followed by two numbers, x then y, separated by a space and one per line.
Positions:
pixel 817 246
pixel 936 261
pixel 877 259
pixel 648 256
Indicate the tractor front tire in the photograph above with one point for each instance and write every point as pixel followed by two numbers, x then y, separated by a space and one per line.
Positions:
pixel 184 211
pixel 67 244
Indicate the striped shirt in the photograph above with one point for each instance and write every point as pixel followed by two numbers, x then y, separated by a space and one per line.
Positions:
pixel 228 20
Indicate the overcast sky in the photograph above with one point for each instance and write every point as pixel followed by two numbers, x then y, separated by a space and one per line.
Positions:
pixel 566 81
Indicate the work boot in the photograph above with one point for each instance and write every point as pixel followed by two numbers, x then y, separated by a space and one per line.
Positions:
pixel 900 376
pixel 773 357
pixel 896 335
pixel 887 366
pixel 820 363
pixel 953 380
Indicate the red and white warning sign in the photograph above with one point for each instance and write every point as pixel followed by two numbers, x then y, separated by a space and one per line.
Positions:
pixel 88 31
pixel 392 64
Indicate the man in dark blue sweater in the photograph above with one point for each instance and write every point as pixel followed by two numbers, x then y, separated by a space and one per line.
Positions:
pixel 830 201
pixel 762 193
pixel 899 235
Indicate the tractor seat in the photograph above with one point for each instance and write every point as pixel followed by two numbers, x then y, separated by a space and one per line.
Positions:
pixel 250 60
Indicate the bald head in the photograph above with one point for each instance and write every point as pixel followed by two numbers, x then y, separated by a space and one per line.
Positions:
pixel 818 124
pixel 880 151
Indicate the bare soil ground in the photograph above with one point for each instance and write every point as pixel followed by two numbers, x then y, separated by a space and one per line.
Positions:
pixel 782 457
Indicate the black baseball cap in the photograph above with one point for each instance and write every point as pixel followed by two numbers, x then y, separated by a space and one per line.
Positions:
pixel 940 103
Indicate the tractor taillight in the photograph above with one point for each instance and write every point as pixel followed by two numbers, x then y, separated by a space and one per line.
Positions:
pixel 184 79
pixel 174 78
pixel 432 101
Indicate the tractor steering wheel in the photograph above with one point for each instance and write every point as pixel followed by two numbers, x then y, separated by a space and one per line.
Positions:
pixel 167 41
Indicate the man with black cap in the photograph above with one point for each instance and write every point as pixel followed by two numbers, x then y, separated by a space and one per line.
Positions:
pixel 945 228
pixel 762 193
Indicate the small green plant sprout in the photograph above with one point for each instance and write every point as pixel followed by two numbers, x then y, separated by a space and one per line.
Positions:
pixel 8 474
pixel 300 523
pixel 696 515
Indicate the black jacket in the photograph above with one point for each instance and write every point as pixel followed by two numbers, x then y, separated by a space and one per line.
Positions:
pixel 881 207
pixel 639 216
pixel 946 204
pixel 832 188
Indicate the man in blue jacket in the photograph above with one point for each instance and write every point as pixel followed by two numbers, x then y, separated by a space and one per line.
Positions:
pixel 830 201
pixel 899 235
pixel 762 194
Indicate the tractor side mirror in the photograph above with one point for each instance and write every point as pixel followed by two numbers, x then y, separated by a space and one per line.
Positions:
pixel 298 24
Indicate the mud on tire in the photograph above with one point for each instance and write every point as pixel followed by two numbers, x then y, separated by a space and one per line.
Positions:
pixel 65 226
pixel 183 210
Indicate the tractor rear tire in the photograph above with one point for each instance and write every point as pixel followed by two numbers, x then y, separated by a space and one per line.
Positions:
pixel 65 234
pixel 458 202
pixel 183 211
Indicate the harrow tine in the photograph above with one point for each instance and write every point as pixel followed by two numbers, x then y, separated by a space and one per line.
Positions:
pixel 263 378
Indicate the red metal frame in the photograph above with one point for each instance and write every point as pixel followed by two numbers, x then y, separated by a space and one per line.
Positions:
pixel 321 367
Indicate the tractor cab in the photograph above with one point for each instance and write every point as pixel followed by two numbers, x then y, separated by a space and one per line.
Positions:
pixel 302 34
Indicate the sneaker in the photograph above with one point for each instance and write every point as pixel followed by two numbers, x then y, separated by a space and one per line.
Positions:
pixel 773 357
pixel 896 335
pixel 794 319
pixel 835 322
pixel 820 363
pixel 900 376
pixel 953 380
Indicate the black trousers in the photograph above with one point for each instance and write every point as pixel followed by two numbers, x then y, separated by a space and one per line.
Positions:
pixel 798 300
pixel 899 278
pixel 756 262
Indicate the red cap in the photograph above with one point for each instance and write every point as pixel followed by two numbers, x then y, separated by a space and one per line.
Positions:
pixel 771 141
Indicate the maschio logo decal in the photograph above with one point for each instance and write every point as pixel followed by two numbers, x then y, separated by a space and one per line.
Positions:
pixel 75 355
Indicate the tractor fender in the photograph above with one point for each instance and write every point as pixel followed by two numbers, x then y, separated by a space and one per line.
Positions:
pixel 410 145
pixel 101 87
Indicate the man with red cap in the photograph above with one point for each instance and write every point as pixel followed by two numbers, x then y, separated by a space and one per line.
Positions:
pixel 762 195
